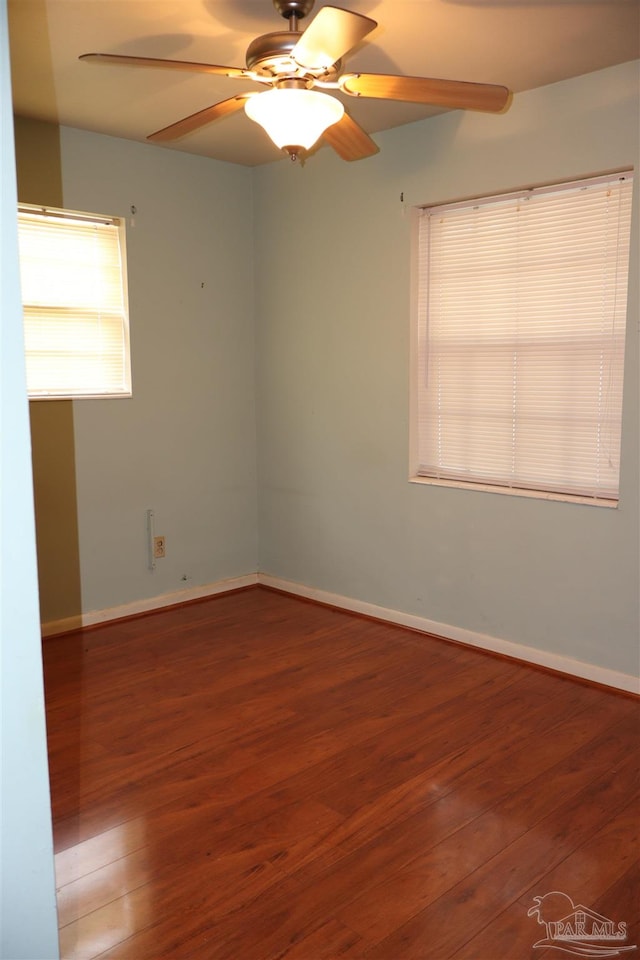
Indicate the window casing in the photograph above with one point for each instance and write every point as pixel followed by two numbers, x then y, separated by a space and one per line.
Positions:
pixel 519 343
pixel 74 294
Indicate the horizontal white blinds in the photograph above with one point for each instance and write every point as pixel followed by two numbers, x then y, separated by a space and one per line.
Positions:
pixel 74 302
pixel 522 313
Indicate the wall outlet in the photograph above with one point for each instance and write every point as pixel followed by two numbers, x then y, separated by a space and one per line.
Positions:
pixel 159 547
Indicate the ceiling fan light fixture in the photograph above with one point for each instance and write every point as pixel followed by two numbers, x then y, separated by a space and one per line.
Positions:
pixel 294 117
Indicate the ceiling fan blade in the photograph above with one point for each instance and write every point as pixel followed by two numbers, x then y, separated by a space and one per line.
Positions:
pixel 331 34
pixel 187 65
pixel 451 94
pixel 200 119
pixel 349 140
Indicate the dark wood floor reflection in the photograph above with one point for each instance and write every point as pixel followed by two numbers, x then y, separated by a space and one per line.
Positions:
pixel 256 777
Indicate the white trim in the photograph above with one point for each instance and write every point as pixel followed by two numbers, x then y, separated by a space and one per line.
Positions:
pixel 54 627
pixel 517 651
pixel 516 491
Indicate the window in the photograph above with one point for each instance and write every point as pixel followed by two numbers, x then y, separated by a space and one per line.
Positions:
pixel 519 347
pixel 72 268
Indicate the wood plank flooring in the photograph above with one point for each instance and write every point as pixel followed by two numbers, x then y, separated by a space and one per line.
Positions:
pixel 256 777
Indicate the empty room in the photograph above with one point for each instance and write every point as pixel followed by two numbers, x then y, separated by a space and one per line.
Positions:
pixel 320 623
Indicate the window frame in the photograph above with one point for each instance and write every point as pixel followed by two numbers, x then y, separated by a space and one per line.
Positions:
pixel 120 316
pixel 415 376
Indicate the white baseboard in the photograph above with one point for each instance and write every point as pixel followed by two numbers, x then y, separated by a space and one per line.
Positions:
pixel 517 651
pixel 54 627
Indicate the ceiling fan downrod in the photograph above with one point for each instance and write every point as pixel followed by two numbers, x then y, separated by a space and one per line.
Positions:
pixel 293 10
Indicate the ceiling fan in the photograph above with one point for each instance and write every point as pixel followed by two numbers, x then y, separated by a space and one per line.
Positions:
pixel 298 66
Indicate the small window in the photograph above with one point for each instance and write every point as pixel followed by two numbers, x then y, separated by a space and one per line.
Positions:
pixel 74 297
pixel 519 346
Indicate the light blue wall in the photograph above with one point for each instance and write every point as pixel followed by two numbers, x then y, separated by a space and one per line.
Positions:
pixel 329 245
pixel 28 921
pixel 332 254
pixel 185 443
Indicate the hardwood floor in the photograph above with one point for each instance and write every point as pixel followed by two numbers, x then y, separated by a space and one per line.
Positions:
pixel 256 777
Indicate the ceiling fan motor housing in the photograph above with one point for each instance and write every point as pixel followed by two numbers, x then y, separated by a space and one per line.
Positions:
pixel 266 53
pixel 270 56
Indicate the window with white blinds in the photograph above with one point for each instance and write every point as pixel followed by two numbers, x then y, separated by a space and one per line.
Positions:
pixel 522 305
pixel 72 268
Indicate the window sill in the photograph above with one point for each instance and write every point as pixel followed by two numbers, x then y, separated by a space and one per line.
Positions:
pixel 515 491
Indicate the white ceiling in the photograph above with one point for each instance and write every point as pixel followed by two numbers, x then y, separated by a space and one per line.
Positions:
pixel 519 43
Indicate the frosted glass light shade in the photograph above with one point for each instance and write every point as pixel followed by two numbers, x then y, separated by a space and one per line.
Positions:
pixel 294 117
